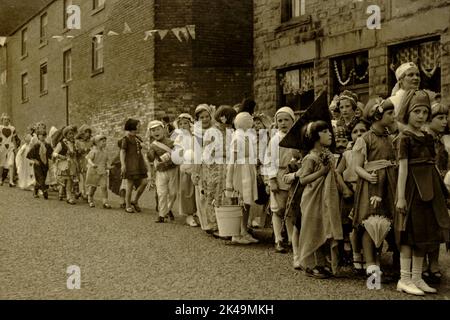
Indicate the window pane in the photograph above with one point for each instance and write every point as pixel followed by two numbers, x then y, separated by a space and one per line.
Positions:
pixel 24 41
pixel 67 65
pixel 98 51
pixel 44 21
pixel 67 3
pixel 24 86
pixel 43 78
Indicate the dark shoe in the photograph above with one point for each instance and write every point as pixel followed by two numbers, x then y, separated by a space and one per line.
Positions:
pixel 171 216
pixel 91 205
pixel 71 202
pixel 123 205
pixel 45 195
pixel 432 277
pixel 279 248
pixel 130 210
pixel 12 185
pixel 317 272
pixel 218 236
pixel 106 206
pixel 136 207
pixel 160 220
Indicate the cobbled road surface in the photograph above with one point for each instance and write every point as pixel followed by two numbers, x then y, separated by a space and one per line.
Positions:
pixel 128 256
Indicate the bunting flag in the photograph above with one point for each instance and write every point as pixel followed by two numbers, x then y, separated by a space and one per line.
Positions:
pixel 112 33
pixel 176 32
pixel 2 41
pixel 185 33
pixel 149 33
pixel 163 33
pixel 191 29
pixel 126 28
pixel 59 38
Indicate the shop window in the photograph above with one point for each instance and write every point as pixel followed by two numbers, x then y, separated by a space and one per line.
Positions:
pixel 351 72
pixel 296 87
pixel 425 54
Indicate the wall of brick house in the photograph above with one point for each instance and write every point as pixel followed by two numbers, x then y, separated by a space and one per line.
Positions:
pixel 49 108
pixel 336 28
pixel 125 88
pixel 4 100
pixel 216 67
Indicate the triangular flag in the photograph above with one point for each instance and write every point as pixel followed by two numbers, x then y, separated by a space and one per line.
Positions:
pixel 112 33
pixel 163 33
pixel 176 32
pixel 149 33
pixel 191 29
pixel 185 33
pixel 126 28
pixel 318 110
pixel 2 41
pixel 59 38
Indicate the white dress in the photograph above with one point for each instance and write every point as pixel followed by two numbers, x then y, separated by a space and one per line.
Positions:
pixel 7 145
pixel 25 170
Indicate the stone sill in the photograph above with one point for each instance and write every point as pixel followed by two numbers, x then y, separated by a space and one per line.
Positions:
pixel 43 93
pixel 43 43
pixel 293 23
pixel 24 56
pixel 66 83
pixel 97 72
pixel 25 100
pixel 97 10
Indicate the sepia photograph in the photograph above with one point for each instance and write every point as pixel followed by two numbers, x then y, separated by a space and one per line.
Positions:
pixel 243 151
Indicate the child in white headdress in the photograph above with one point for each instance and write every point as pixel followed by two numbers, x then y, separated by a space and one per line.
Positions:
pixel 24 166
pixel 241 173
pixel 275 167
pixel 408 77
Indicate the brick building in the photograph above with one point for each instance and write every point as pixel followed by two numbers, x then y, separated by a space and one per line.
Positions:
pixel 83 78
pixel 299 51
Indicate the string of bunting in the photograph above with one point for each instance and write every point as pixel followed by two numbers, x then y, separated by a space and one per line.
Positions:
pixel 187 32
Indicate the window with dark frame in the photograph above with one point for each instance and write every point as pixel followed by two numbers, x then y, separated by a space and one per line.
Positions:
pixel 426 54
pixel 24 87
pixel 296 87
pixel 351 72
pixel 24 49
pixel 97 4
pixel 97 53
pixel 43 78
pixel 291 9
pixel 67 58
pixel 43 29
pixel 67 3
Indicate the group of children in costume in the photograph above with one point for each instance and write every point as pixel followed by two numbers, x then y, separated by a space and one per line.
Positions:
pixel 384 185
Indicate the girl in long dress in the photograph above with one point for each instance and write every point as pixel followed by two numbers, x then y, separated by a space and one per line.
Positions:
pixel 321 222
pixel 24 166
pixel 374 163
pixel 422 219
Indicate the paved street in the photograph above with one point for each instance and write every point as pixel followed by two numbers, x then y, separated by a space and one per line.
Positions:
pixel 128 256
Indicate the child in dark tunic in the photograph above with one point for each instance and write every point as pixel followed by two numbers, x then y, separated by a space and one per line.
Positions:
pixel 40 153
pixel 133 166
pixel 422 219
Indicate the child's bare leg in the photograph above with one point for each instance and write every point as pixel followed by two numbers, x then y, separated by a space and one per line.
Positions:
pixel 104 193
pixel 433 260
pixel 356 247
pixel 289 221
pixel 11 174
pixel 91 193
pixel 295 242
pixel 69 193
pixel 140 190
pixel 277 226
pixel 128 192
pixel 122 194
pixel 244 220
pixel 369 249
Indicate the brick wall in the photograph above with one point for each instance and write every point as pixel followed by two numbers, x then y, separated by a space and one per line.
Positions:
pixel 336 28
pixel 216 67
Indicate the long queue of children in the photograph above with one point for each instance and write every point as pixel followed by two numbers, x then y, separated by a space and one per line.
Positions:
pixel 384 186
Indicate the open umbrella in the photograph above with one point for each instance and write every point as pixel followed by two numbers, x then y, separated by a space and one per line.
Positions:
pixel 377 227
pixel 318 110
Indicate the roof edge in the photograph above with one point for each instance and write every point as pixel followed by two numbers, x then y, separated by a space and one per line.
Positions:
pixel 31 18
